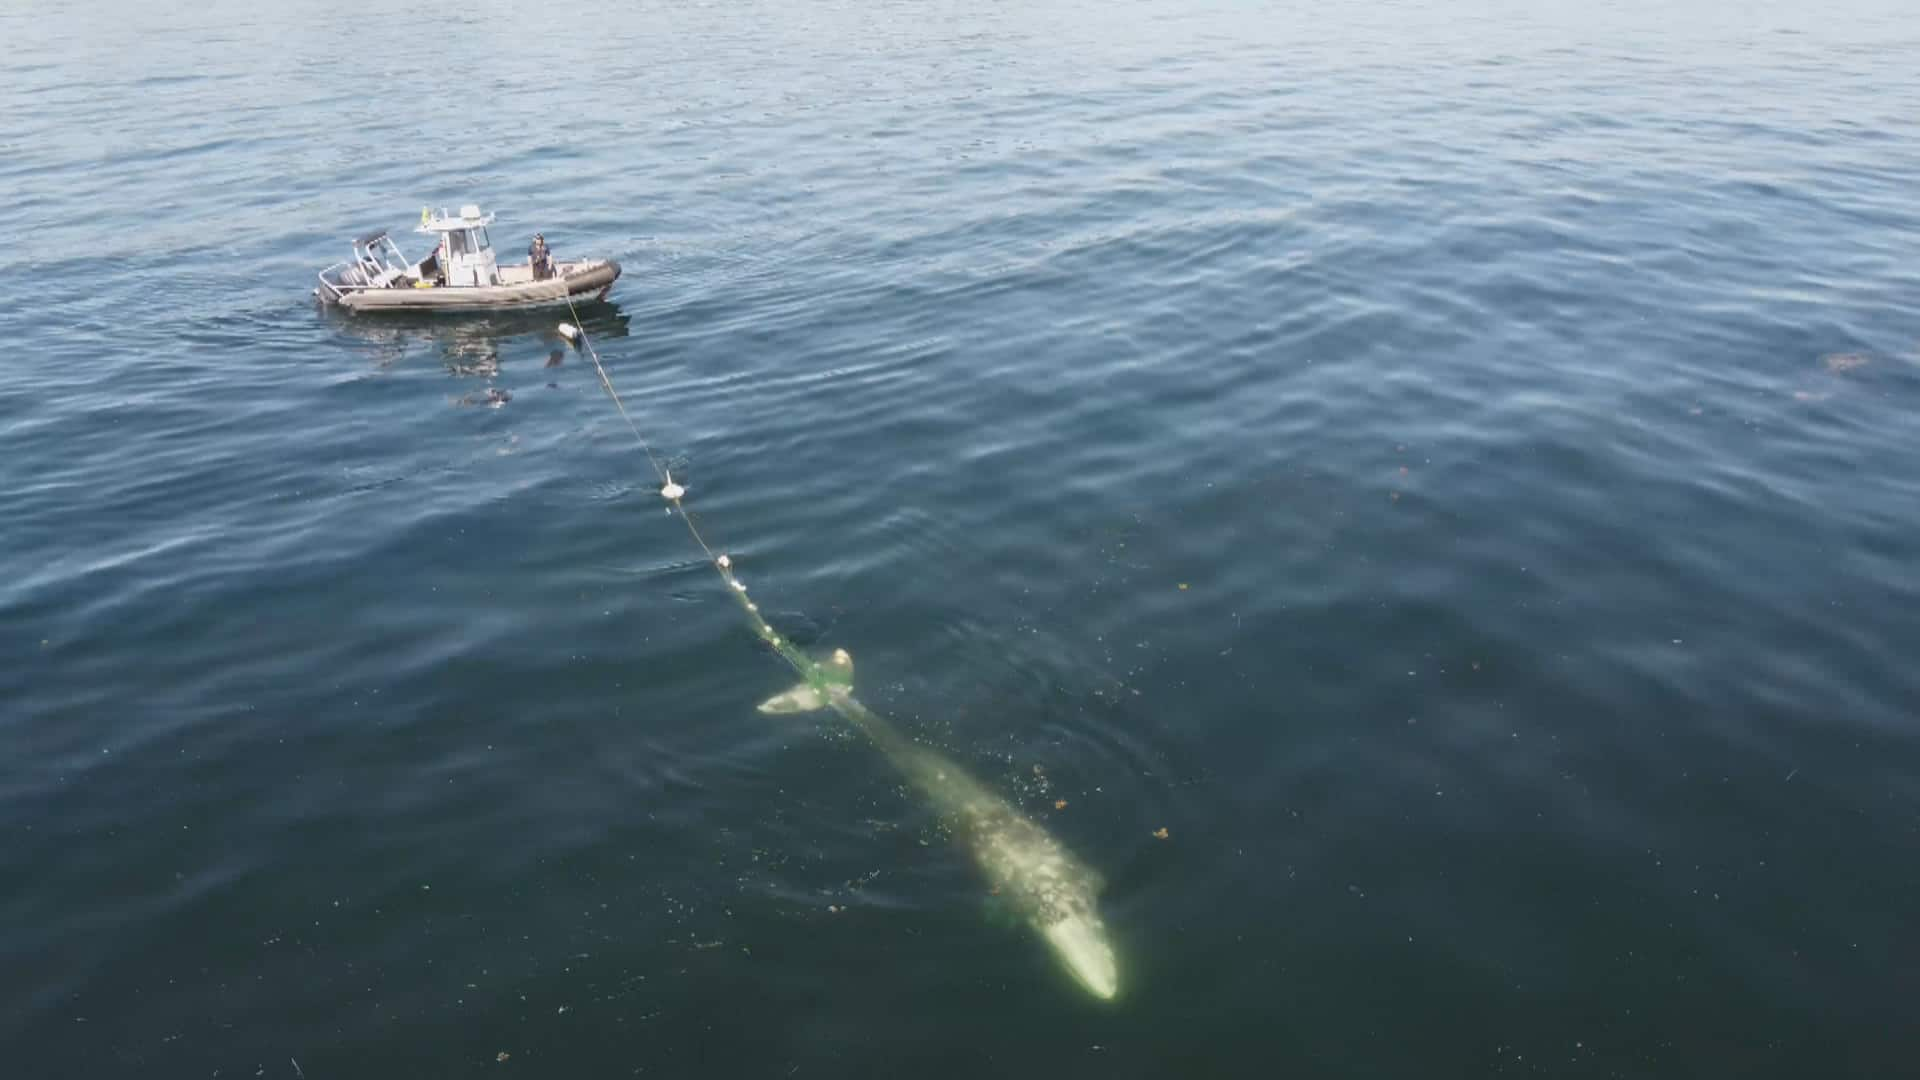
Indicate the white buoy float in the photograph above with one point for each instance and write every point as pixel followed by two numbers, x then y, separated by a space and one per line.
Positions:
pixel 570 332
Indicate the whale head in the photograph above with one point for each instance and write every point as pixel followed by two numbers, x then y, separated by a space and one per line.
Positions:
pixel 1082 945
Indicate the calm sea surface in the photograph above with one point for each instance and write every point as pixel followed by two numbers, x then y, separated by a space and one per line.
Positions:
pixel 1452 466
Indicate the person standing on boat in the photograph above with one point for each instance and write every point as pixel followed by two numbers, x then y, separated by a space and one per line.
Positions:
pixel 540 258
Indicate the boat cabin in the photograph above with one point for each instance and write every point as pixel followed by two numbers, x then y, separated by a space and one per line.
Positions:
pixel 463 252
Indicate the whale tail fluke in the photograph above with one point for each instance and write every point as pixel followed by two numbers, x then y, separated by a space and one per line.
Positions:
pixel 801 698
pixel 810 694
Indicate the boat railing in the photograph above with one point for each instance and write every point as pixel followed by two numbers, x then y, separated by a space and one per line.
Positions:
pixel 344 277
pixel 372 267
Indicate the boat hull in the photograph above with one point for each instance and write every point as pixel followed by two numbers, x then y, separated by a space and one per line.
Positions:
pixel 576 282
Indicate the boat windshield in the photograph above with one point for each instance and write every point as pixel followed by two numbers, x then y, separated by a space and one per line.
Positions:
pixel 467 241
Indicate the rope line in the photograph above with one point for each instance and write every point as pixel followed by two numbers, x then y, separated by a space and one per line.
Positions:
pixel 666 477
pixel 722 564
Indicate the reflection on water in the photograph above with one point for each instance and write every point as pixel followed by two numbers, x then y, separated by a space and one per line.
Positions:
pixel 469 345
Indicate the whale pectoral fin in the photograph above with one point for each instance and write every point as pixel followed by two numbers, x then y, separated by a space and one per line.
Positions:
pixel 802 698
pixel 999 912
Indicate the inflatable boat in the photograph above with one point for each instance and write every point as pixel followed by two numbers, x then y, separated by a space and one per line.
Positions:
pixel 460 274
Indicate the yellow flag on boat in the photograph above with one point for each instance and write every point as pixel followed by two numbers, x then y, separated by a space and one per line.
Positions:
pixel 426 215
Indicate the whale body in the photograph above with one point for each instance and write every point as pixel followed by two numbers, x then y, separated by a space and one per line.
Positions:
pixel 1053 891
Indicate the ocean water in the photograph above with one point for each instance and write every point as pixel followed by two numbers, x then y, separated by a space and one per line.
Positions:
pixel 1449 465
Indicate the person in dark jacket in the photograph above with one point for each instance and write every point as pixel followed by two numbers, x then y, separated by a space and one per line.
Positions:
pixel 540 258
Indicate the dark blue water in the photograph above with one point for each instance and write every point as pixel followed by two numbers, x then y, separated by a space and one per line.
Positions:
pixel 1452 466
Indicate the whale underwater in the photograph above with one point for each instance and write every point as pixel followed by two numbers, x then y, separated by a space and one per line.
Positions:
pixel 1039 878
pixel 1050 888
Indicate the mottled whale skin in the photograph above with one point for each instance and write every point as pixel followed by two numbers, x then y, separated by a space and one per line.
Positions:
pixel 1025 866
pixel 1052 890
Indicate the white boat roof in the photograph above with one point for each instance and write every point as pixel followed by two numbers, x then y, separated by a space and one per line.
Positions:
pixel 469 217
